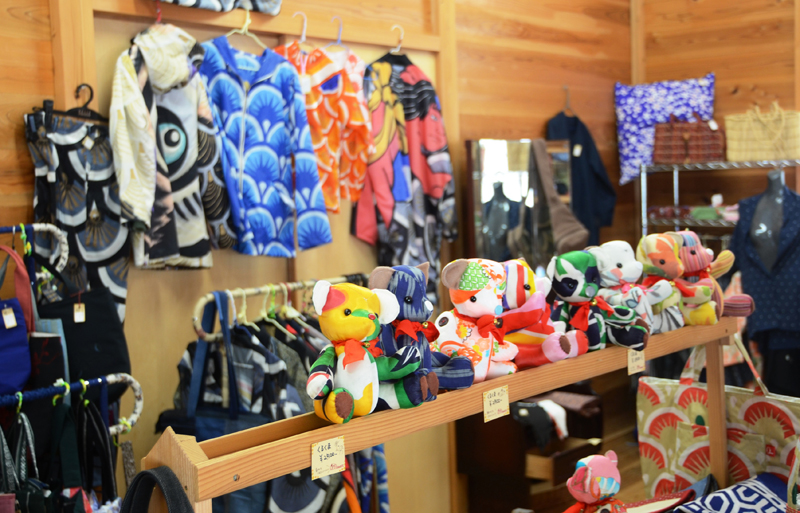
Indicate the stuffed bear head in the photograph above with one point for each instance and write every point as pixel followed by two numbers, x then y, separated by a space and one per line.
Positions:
pixel 617 264
pixel 521 284
pixel 693 255
pixel 476 286
pixel 574 275
pixel 408 285
pixel 347 311
pixel 659 254
pixel 596 478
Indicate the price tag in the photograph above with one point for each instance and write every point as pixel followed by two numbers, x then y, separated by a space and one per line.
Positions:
pixel 495 403
pixel 305 84
pixel 80 313
pixel 327 457
pixel 9 319
pixel 88 142
pixel 635 361
pixel 577 150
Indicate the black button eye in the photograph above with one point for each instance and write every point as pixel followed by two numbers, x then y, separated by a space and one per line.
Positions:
pixel 693 252
pixel 526 286
pixel 408 300
pixel 662 261
pixel 619 266
pixel 570 285
pixel 473 299
pixel 347 311
pixel 443 321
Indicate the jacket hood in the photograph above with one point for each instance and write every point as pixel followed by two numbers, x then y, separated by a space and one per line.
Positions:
pixel 172 56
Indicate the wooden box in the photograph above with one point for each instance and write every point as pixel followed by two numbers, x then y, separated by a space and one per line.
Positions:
pixel 557 462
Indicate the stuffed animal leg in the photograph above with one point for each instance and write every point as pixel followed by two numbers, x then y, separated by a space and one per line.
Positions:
pixel 696 305
pixel 453 373
pixel 401 385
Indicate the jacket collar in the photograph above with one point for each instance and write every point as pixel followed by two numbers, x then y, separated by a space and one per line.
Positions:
pixel 268 61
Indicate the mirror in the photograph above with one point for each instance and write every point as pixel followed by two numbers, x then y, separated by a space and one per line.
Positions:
pixel 506 201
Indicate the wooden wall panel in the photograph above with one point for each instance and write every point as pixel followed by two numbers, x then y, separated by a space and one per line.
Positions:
pixel 514 57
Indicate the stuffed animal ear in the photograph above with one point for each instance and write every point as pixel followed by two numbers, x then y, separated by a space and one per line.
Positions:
pixel 522 259
pixel 452 272
pixel 380 277
pixel 551 268
pixel 599 254
pixel 677 237
pixel 390 308
pixel 320 295
pixel 543 285
pixel 425 267
pixel 612 456
pixel 641 254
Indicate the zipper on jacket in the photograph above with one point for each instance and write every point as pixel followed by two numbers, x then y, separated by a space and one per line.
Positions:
pixel 246 87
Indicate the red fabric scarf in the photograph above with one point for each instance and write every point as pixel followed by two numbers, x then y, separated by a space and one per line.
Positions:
pixel 685 289
pixel 354 350
pixel 581 318
pixel 411 328
pixel 623 286
pixel 701 274
pixel 488 324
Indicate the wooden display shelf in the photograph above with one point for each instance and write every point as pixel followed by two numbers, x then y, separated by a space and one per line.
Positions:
pixel 232 462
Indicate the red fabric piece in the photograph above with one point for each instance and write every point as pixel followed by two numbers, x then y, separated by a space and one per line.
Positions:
pixel 411 328
pixel 486 325
pixel 701 274
pixel 684 288
pixel 581 318
pixel 353 350
pixel 530 355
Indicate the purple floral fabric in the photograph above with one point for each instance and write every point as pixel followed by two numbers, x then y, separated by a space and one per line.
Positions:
pixel 640 107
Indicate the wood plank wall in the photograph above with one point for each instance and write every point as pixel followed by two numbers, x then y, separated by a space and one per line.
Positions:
pixel 514 57
pixel 750 45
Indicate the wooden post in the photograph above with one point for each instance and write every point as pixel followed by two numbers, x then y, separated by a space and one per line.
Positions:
pixel 717 418
pixel 72 31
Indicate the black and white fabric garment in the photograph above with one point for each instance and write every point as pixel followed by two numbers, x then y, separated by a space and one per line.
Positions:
pixel 76 189
pixel 271 7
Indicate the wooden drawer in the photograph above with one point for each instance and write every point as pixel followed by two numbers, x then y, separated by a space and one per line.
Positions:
pixel 557 462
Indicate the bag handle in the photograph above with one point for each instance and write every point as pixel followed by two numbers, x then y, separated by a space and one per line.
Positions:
pixel 24 443
pixel 137 500
pixel 697 360
pixel 8 474
pixel 22 287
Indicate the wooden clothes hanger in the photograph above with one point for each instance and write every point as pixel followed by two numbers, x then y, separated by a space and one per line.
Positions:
pixel 245 31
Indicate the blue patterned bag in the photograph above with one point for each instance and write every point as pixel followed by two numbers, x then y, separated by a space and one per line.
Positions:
pixel 762 494
pixel 271 7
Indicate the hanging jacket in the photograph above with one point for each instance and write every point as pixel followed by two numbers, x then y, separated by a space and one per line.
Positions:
pixel 260 110
pixel 408 202
pixel 165 150
pixel 593 196
pixel 334 115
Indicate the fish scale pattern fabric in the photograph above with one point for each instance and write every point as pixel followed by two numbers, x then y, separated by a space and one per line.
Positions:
pixel 271 7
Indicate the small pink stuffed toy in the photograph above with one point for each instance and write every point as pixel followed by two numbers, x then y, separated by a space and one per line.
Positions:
pixel 593 485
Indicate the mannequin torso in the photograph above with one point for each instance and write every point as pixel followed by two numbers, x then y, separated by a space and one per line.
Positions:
pixel 765 229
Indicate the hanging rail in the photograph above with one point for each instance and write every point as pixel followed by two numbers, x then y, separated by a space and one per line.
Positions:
pixel 49 228
pixel 257 291
pixel 61 388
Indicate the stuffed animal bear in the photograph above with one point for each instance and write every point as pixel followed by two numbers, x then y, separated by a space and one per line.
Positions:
pixel 593 485
pixel 576 282
pixel 619 274
pixel 537 340
pixel 699 264
pixel 411 328
pixel 344 380
pixel 473 329
pixel 659 252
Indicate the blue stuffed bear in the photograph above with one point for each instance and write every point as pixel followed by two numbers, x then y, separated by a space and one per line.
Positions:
pixel 412 328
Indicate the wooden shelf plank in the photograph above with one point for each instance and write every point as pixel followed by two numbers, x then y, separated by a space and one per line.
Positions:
pixel 356 31
pixel 259 454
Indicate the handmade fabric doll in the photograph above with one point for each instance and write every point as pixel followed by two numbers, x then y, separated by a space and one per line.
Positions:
pixel 473 329
pixel 593 485
pixel 576 282
pixel 344 381
pixel 537 340
pixel 411 328
pixel 699 264
pixel 619 274
pixel 659 254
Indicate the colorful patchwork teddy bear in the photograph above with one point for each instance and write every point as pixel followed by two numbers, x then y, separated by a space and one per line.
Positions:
pixel 473 329
pixel 344 380
pixel 576 282
pixel 659 252
pixel 411 328
pixel 593 485
pixel 525 303
pixel 619 274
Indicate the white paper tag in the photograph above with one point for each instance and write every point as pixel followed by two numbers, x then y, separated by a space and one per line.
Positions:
pixel 88 142
pixel 9 319
pixel 713 125
pixel 495 403
pixel 305 84
pixel 80 313
pixel 327 457
pixel 577 150
pixel 635 361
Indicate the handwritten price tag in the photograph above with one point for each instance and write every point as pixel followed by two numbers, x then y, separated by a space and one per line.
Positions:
pixel 635 361
pixel 327 457
pixel 495 403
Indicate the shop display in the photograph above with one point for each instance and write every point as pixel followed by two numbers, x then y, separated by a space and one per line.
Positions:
pixel 593 485
pixel 593 196
pixel 271 7
pixel 576 282
pixel 756 135
pixel 690 141
pixel 640 107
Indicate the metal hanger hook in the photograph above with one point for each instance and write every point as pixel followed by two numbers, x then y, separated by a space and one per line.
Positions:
pixel 305 25
pixel 567 106
pixel 341 25
pixel 91 94
pixel 402 35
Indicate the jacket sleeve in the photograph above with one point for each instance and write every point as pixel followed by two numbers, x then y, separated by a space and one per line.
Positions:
pixel 606 197
pixel 313 227
pixel 355 144
pixel 438 156
pixel 133 142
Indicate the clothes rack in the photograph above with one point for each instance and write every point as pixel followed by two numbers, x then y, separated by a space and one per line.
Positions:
pixel 63 255
pixel 62 388
pixel 272 288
